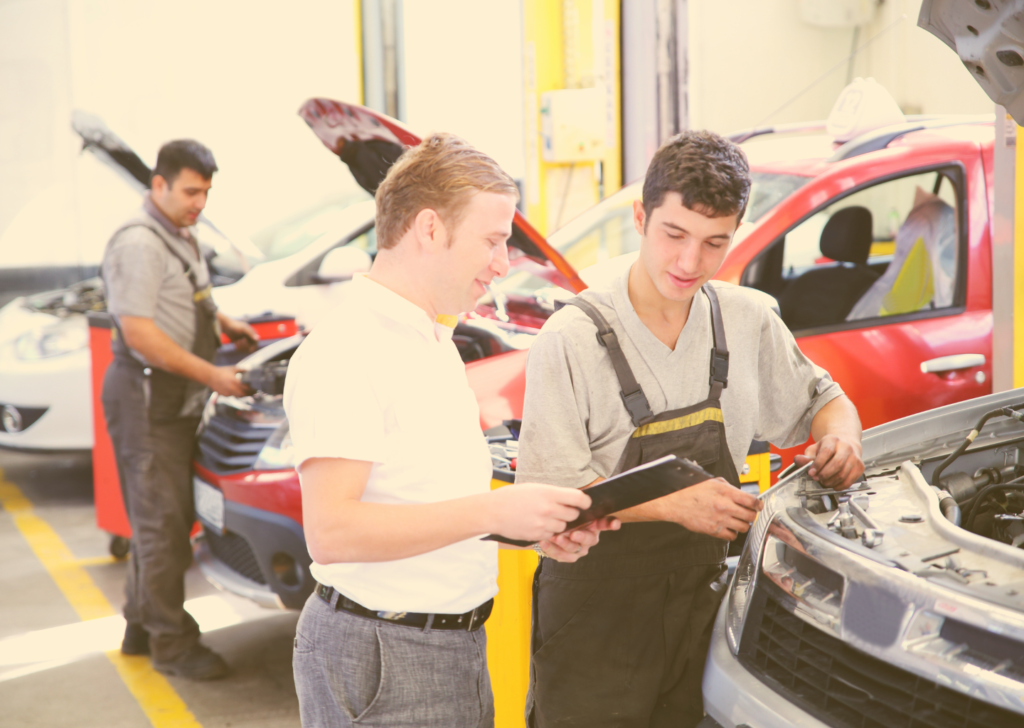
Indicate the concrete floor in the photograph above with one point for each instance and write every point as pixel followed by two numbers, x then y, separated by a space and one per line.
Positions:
pixel 54 667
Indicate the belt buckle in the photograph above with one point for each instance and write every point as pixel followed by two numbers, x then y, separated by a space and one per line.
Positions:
pixel 472 619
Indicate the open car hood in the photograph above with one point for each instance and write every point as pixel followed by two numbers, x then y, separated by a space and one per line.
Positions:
pixel 336 123
pixel 109 147
pixel 986 37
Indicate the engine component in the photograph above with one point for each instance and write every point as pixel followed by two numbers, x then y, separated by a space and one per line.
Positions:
pixel 1007 411
pixel 948 505
pixel 268 379
pixel 975 508
pixel 960 486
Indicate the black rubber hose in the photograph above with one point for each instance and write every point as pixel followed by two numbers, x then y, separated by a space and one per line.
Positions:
pixel 969 518
pixel 967 505
pixel 1019 416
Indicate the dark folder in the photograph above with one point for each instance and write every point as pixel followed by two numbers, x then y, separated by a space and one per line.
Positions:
pixel 641 484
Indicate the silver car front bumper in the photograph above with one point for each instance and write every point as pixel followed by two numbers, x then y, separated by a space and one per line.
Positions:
pixel 734 697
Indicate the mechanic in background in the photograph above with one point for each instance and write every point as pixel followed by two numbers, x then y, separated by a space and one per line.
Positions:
pixel 166 335
pixel 682 366
pixel 395 472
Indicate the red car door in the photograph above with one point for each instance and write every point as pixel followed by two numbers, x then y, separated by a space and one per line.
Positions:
pixel 919 333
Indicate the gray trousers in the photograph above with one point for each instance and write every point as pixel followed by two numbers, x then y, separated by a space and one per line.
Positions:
pixel 355 671
pixel 154 456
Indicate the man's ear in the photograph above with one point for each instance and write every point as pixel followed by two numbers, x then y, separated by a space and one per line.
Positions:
pixel 639 216
pixel 159 185
pixel 430 231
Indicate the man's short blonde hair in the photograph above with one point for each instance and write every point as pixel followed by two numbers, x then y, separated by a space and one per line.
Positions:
pixel 440 174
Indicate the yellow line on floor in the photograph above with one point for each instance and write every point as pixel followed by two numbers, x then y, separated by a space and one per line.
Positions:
pixel 96 561
pixel 158 700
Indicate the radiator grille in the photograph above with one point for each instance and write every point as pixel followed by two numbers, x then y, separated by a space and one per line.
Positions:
pixel 230 445
pixel 846 688
pixel 236 553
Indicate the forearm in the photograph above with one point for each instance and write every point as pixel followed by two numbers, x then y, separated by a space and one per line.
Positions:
pixel 160 350
pixel 367 532
pixel 653 510
pixel 839 418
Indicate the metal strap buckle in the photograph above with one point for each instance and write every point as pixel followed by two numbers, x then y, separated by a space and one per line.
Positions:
pixel 719 368
pixel 637 406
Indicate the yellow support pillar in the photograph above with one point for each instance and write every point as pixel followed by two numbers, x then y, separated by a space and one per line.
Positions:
pixel 570 44
pixel 508 634
pixel 1018 264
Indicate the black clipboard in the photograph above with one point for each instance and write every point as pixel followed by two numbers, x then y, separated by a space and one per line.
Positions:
pixel 643 483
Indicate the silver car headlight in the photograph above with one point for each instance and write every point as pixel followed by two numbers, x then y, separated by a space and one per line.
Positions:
pixel 278 453
pixel 64 337
pixel 742 587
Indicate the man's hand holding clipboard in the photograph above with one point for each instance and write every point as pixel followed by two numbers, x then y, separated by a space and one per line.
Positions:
pixel 642 484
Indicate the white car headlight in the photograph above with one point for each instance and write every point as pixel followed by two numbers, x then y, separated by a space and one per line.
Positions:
pixel 278 453
pixel 64 337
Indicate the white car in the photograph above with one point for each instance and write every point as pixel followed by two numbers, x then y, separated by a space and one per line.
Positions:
pixel 45 387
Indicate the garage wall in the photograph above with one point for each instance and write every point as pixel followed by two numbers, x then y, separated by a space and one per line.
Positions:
pixel 464 74
pixel 34 93
pixel 158 71
pixel 750 57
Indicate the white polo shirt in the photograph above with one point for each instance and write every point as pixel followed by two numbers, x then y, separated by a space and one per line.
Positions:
pixel 377 380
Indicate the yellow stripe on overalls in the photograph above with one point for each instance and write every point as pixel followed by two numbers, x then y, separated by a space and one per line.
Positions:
pixel 203 294
pixel 710 414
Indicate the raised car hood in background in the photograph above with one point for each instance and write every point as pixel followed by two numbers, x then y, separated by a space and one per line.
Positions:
pixel 108 146
pixel 334 122
pixel 989 38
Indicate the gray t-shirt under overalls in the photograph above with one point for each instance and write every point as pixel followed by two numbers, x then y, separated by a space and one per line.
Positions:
pixel 624 631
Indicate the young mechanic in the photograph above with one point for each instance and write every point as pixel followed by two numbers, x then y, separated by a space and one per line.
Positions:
pixel 395 471
pixel 663 361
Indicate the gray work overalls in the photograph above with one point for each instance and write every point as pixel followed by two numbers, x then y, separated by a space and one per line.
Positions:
pixel 153 444
pixel 620 637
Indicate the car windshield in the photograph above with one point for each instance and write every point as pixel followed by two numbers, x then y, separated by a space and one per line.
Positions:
pixel 293 234
pixel 606 230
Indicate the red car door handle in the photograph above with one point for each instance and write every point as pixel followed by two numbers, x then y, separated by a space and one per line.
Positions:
pixel 950 363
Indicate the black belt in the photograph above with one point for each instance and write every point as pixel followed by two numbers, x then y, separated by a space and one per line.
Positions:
pixel 469 621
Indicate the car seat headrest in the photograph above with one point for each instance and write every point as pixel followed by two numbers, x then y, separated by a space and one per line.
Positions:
pixel 848 235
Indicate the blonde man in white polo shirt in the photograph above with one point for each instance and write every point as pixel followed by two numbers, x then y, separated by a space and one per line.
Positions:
pixel 395 471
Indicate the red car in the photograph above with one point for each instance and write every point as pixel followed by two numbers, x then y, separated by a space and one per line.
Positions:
pixel 877 252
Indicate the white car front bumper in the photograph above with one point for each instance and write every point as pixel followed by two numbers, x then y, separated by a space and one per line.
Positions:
pixel 61 385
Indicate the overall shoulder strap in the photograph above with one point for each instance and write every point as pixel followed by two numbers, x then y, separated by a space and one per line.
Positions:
pixel 189 268
pixel 719 350
pixel 632 394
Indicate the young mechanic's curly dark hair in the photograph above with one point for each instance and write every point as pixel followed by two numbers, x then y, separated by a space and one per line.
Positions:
pixel 709 172
pixel 184 154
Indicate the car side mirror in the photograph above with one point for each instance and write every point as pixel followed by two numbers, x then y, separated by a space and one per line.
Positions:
pixel 342 264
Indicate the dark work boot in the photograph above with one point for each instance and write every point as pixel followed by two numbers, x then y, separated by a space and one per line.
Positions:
pixel 136 640
pixel 196 663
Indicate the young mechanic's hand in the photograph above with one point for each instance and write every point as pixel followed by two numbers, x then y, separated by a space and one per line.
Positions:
pixel 570 547
pixel 713 507
pixel 225 382
pixel 241 334
pixel 534 512
pixel 837 461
